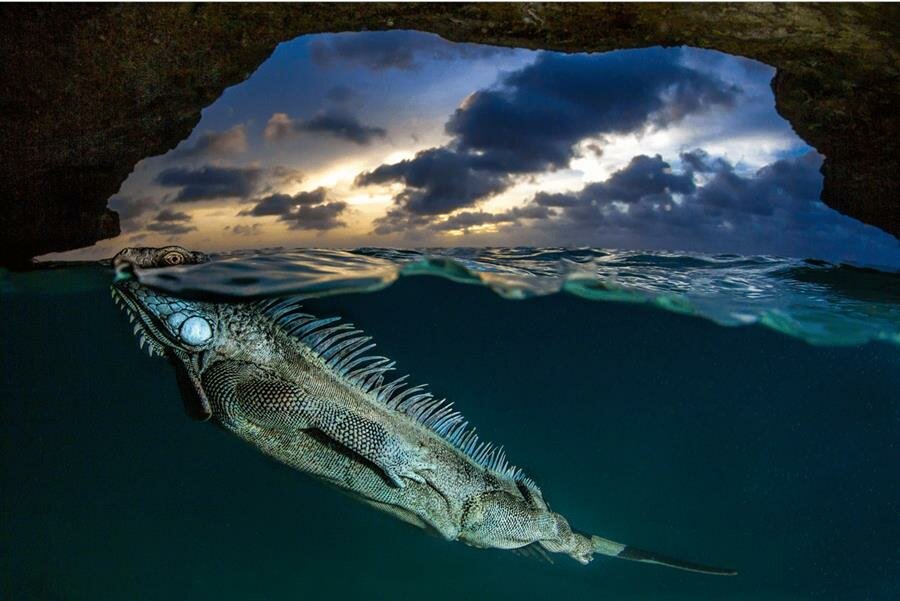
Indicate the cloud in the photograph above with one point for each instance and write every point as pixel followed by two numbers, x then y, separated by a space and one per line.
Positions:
pixel 282 204
pixel 397 220
pixel 643 177
pixel 402 50
pixel 170 215
pixel 245 230
pixel 708 206
pixel 318 217
pixel 469 219
pixel 346 127
pixel 648 199
pixel 214 144
pixel 438 180
pixel 699 161
pixel 282 175
pixel 210 182
pixel 171 223
pixel 131 209
pixel 533 120
pixel 304 210
pixel 172 229
pixel 274 204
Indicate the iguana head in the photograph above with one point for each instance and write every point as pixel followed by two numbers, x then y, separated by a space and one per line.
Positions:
pixel 166 256
pixel 168 324
pixel 183 331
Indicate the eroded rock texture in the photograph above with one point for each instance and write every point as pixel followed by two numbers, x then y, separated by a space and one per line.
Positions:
pixel 87 91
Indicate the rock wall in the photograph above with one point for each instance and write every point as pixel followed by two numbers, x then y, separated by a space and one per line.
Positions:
pixel 86 91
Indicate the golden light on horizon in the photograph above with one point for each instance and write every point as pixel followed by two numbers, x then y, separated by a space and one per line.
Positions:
pixel 340 173
pixel 397 156
pixel 485 228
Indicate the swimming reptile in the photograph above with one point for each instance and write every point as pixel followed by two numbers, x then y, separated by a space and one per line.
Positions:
pixel 307 392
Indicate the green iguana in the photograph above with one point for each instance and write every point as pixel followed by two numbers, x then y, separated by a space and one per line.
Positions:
pixel 306 392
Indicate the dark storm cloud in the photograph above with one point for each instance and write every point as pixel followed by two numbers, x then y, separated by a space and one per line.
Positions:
pixel 316 217
pixel 172 229
pixel 397 220
pixel 305 210
pixel 708 206
pixel 532 122
pixel 282 204
pixel 788 185
pixel 639 190
pixel 438 180
pixel 468 219
pixel 245 230
pixel 274 204
pixel 339 125
pixel 646 196
pixel 699 161
pixel 171 216
pixel 131 209
pixel 214 144
pixel 404 50
pixel 642 179
pixel 170 222
pixel 644 176
pixel 209 182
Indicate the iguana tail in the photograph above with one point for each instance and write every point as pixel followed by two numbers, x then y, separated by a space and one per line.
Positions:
pixel 562 538
pixel 613 549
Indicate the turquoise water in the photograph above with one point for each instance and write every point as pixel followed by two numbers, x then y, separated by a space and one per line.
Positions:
pixel 771 447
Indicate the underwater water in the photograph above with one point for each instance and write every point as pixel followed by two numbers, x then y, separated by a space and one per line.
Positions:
pixel 618 381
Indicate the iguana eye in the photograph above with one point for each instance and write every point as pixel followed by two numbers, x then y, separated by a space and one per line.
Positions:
pixel 195 331
pixel 173 258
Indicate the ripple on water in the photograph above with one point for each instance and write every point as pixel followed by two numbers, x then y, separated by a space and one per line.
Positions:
pixel 820 302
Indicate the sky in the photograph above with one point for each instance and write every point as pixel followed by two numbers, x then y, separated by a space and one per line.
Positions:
pixel 402 139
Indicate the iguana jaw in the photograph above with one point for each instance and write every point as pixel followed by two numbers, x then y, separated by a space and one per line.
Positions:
pixel 146 326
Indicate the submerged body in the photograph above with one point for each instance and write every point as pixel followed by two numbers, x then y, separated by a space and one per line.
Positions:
pixel 305 391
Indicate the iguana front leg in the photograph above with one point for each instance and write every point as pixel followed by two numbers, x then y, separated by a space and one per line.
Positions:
pixel 269 401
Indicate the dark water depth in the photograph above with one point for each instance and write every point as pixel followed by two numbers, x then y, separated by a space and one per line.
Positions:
pixel 742 447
